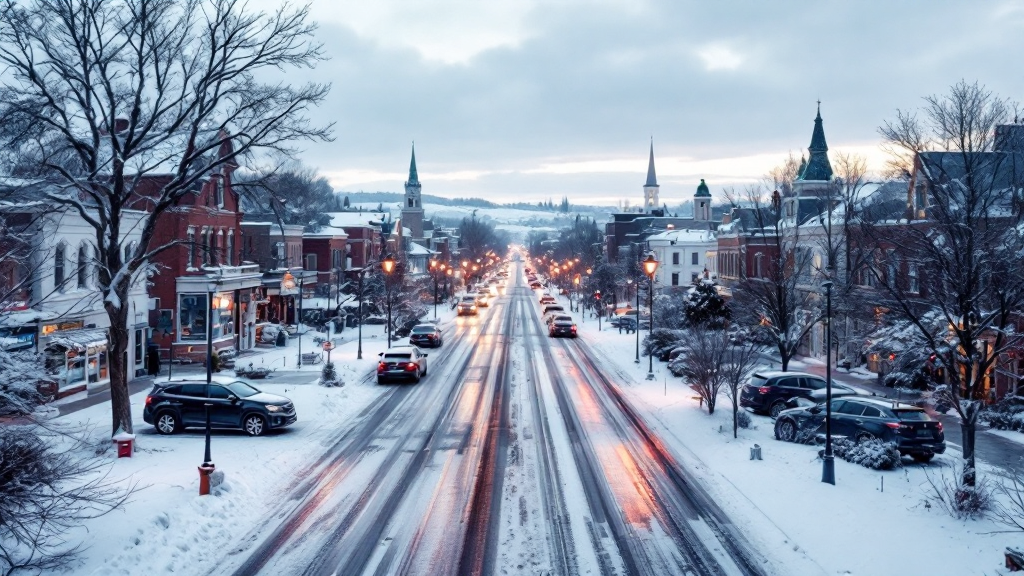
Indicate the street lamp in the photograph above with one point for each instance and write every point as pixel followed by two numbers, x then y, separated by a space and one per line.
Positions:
pixel 629 284
pixel 433 274
pixel 828 461
pixel 208 467
pixel 448 276
pixel 388 264
pixel 650 267
pixel 597 306
pixel 576 289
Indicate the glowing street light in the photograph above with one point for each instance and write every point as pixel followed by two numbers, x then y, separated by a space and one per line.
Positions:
pixel 650 267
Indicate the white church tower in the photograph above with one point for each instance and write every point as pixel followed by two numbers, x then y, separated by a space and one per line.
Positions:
pixel 412 210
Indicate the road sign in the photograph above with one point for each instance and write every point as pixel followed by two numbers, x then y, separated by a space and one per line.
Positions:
pixel 328 346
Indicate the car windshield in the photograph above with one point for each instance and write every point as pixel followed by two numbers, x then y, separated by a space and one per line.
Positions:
pixel 397 357
pixel 468 298
pixel 913 415
pixel 241 389
pixel 757 380
pixel 423 330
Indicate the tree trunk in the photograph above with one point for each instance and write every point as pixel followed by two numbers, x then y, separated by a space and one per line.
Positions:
pixel 968 429
pixel 117 352
pixel 735 418
pixel 784 359
pixel 711 403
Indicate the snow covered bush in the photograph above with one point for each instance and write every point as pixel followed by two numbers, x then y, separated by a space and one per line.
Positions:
pixel 960 500
pixel 329 376
pixel 45 491
pixel 661 341
pixel 873 453
pixel 1007 414
pixel 743 419
pixel 22 374
pixel 704 305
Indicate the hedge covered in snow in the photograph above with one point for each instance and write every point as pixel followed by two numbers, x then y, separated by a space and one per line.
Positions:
pixel 873 453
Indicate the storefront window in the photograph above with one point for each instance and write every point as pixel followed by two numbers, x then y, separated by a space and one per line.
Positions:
pixel 192 316
pixel 77 365
pixel 223 321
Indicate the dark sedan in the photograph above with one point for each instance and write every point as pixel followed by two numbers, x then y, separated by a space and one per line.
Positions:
pixel 566 328
pixel 426 336
pixel 913 431
pixel 172 406
pixel 401 363
pixel 768 392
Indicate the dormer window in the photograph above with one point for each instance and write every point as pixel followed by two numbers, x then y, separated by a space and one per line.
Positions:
pixel 219 191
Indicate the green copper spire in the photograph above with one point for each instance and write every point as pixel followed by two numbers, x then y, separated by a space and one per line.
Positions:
pixel 414 178
pixel 702 190
pixel 652 178
pixel 818 167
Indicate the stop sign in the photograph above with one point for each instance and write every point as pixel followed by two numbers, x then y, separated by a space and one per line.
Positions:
pixel 328 346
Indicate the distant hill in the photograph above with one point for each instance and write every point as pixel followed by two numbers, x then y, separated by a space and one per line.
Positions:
pixel 398 197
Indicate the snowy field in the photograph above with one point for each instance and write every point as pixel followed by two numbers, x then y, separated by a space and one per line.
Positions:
pixel 871 523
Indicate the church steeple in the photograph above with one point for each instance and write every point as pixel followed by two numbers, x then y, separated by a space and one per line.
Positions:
pixel 651 187
pixel 818 167
pixel 652 178
pixel 414 178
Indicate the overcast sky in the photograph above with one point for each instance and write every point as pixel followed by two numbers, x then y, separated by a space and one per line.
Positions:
pixel 531 99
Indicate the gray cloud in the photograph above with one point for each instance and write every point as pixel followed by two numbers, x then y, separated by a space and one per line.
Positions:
pixel 592 81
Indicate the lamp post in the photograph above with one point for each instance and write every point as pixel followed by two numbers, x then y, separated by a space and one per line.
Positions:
pixel 597 306
pixel 359 349
pixel 828 462
pixel 447 281
pixel 433 274
pixel 388 264
pixel 208 467
pixel 288 283
pixel 650 267
pixel 576 290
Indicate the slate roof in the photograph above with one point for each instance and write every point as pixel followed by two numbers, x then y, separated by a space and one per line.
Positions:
pixel 652 178
pixel 818 166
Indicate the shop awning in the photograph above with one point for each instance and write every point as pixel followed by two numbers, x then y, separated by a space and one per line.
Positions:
pixel 79 339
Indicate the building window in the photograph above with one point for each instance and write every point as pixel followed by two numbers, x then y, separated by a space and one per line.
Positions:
pixel 58 267
pixel 228 257
pixel 675 278
pixel 694 258
pixel 759 265
pixel 675 258
pixel 191 241
pixel 129 251
pixel 83 266
pixel 205 247
pixel 140 348
pixel 693 277
pixel 310 261
pixel 892 265
pixel 913 286
pixel 279 260
pixel 192 317
pixel 219 191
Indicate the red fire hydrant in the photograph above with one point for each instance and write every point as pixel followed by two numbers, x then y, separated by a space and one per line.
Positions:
pixel 125 444
pixel 204 478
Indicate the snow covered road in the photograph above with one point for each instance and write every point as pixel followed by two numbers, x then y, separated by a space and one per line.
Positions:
pixel 515 455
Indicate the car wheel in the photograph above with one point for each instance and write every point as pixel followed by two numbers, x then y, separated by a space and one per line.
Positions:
pixel 785 430
pixel 255 425
pixel 775 409
pixel 167 423
pixel 864 437
pixel 923 458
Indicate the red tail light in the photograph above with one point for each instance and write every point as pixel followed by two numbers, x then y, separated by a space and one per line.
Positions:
pixel 149 400
pixel 382 367
pixel 764 390
pixel 940 426
pixel 894 425
pixel 412 366
pixel 574 328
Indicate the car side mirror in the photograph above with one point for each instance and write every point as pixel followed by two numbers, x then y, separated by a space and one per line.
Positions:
pixel 232 398
pixel 424 355
pixel 815 410
pixel 380 353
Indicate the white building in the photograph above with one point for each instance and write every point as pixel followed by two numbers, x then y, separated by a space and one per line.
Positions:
pixel 683 255
pixel 67 308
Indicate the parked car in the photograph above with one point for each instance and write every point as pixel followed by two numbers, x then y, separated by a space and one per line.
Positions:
pixel 173 406
pixel 547 308
pixel 467 306
pixel 401 363
pixel 547 299
pixel 913 431
pixel 768 392
pixel 555 317
pixel 426 335
pixel 562 327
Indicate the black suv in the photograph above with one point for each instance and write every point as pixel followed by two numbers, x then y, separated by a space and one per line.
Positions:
pixel 172 406
pixel 909 427
pixel 768 392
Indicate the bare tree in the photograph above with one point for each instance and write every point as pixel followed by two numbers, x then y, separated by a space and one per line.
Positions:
pixel 706 349
pixel 99 95
pixel 959 257
pixel 738 364
pixel 771 296
pixel 44 493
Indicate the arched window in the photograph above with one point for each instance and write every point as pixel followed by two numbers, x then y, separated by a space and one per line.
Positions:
pixel 83 266
pixel 58 267
pixel 228 257
pixel 191 243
